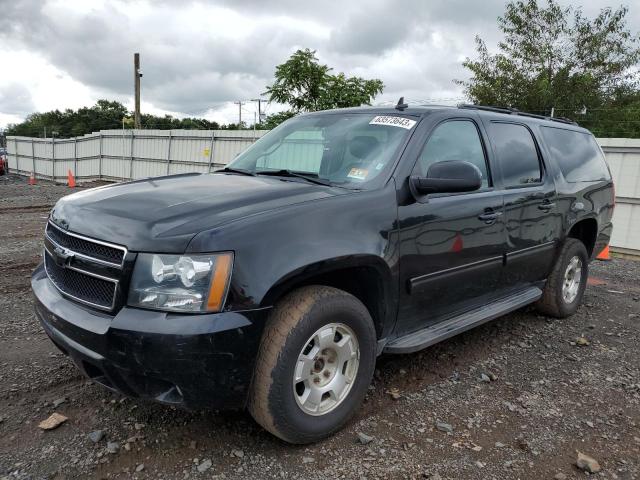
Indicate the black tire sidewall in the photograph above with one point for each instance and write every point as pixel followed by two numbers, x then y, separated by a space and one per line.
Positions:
pixel 288 417
pixel 578 249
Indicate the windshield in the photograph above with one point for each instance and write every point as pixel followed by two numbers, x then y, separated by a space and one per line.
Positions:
pixel 342 149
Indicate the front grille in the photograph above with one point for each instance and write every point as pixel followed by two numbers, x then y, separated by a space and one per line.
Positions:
pixel 80 286
pixel 85 246
pixel 85 270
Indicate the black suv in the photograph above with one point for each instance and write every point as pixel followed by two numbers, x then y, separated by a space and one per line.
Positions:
pixel 274 284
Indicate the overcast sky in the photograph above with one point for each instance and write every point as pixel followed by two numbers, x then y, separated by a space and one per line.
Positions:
pixel 198 57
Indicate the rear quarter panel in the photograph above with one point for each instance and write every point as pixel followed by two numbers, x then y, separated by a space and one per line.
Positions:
pixel 581 200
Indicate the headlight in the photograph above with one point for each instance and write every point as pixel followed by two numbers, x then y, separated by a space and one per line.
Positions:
pixel 181 283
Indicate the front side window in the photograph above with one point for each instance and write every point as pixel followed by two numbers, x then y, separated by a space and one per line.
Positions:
pixel 349 150
pixel 454 140
pixel 517 154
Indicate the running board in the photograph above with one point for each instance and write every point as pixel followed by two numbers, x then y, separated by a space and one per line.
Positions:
pixel 448 328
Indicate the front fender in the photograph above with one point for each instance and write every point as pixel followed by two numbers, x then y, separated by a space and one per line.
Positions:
pixel 274 247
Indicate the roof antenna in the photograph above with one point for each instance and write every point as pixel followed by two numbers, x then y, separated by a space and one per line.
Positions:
pixel 401 105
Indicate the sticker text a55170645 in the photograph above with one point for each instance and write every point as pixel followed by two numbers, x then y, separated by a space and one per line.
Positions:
pixel 393 121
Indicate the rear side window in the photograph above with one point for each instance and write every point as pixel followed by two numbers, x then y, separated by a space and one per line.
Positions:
pixel 577 154
pixel 454 140
pixel 517 154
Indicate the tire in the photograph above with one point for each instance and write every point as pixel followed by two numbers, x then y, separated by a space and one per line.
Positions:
pixel 553 301
pixel 275 400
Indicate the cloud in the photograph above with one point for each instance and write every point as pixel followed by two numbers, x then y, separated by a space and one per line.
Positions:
pixel 15 99
pixel 197 57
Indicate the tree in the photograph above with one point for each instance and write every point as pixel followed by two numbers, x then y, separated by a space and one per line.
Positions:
pixel 104 115
pixel 554 57
pixel 306 86
pixel 275 119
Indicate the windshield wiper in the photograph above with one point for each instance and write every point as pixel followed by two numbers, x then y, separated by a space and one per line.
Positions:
pixel 241 171
pixel 289 173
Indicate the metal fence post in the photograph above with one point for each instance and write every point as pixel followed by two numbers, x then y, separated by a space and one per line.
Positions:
pixel 15 154
pixel 75 157
pixel 53 158
pixel 131 161
pixel 100 155
pixel 169 153
pixel 33 159
pixel 213 136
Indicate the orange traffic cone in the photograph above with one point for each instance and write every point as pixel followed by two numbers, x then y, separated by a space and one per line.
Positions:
pixel 604 254
pixel 32 178
pixel 70 180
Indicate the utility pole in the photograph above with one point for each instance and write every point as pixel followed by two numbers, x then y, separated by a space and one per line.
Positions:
pixel 137 75
pixel 240 103
pixel 259 100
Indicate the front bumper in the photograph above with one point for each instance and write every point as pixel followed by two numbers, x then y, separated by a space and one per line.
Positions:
pixel 193 361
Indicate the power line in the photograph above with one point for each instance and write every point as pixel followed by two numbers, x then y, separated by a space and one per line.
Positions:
pixel 260 114
pixel 240 103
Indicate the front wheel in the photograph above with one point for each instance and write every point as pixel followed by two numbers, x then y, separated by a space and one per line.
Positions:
pixel 315 362
pixel 565 286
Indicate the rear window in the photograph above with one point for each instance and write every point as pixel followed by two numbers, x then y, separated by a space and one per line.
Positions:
pixel 577 154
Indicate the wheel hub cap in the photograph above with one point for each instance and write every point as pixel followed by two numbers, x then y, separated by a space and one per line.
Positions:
pixel 326 369
pixel 572 279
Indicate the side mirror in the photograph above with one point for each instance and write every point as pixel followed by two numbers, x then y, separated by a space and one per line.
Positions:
pixel 448 177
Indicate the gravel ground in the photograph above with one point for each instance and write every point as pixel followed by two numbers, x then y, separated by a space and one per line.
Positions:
pixel 514 399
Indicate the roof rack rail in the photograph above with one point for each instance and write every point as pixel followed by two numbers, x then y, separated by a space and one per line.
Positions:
pixel 563 120
pixel 515 111
pixel 489 108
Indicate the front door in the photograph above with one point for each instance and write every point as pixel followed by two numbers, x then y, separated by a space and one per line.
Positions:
pixel 451 245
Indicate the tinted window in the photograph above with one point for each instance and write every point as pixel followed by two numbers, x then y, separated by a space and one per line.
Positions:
pixel 454 140
pixel 517 154
pixel 577 154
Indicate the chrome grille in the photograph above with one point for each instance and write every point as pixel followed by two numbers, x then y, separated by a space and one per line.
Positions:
pixel 85 246
pixel 85 270
pixel 80 286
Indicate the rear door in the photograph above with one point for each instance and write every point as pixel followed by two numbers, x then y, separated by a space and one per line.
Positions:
pixel 533 219
pixel 451 245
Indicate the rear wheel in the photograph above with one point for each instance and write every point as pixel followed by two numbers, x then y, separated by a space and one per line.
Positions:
pixel 315 362
pixel 565 286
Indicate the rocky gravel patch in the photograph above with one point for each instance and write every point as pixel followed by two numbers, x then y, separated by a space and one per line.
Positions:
pixel 523 397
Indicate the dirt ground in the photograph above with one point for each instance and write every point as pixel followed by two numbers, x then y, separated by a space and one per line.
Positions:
pixel 548 396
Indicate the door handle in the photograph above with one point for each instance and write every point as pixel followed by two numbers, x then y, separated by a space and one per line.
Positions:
pixel 546 206
pixel 489 217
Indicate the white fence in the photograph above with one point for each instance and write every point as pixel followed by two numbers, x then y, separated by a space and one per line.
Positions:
pixel 127 154
pixel 131 154
pixel 623 156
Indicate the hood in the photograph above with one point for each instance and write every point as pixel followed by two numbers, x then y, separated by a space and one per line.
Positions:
pixel 163 214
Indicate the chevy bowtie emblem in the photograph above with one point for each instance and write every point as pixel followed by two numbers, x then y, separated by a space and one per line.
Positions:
pixel 62 256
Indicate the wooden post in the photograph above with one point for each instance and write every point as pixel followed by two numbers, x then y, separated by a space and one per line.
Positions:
pixel 136 80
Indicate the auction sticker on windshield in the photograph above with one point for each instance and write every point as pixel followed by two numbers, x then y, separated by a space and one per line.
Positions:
pixel 393 121
pixel 358 173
